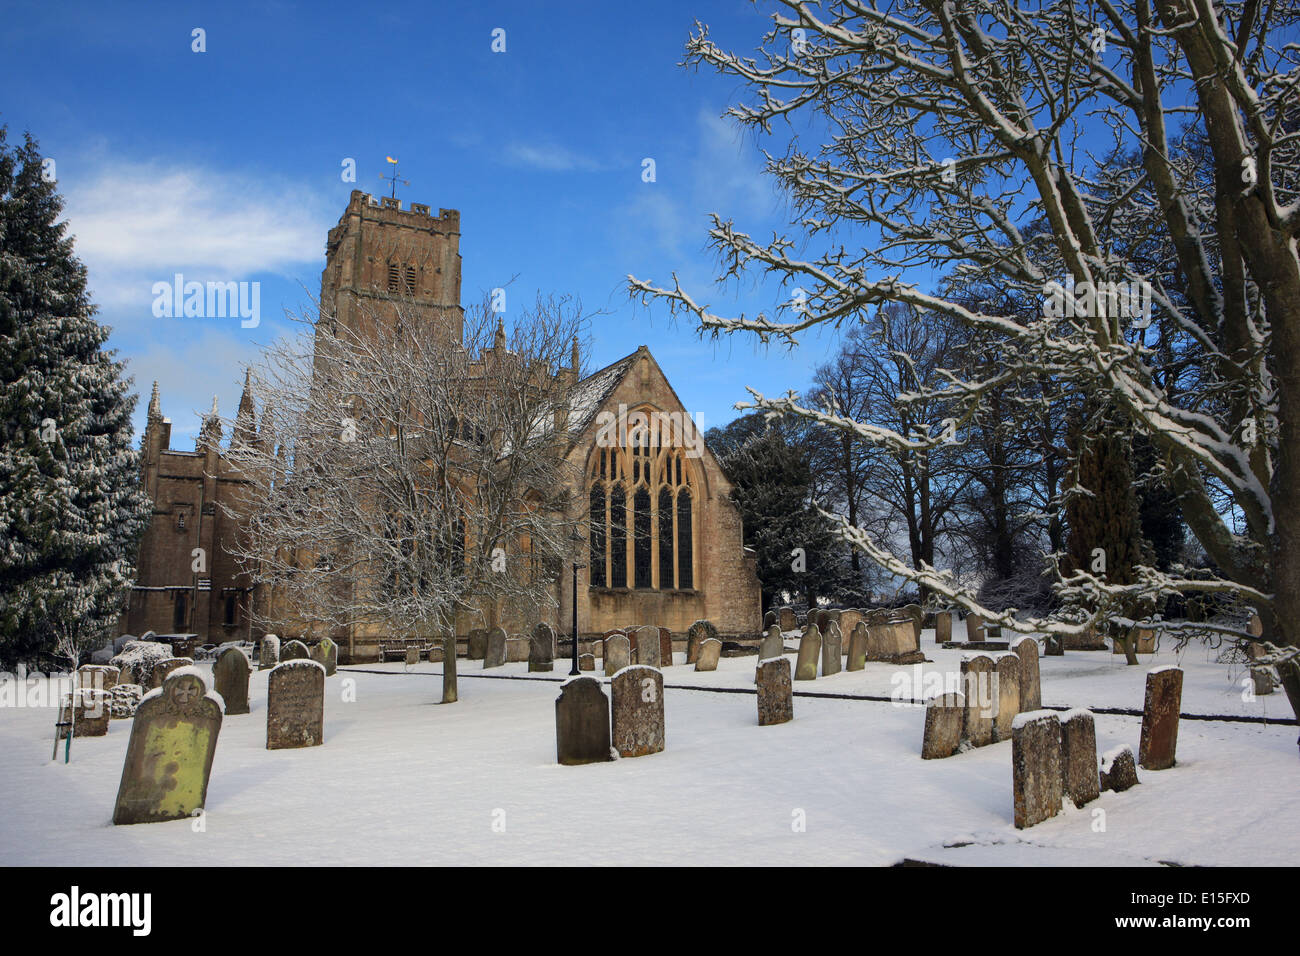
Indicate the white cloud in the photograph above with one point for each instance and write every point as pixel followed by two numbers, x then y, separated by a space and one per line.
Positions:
pixel 549 157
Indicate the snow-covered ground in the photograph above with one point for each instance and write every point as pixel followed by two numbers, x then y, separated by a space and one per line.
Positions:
pixel 403 780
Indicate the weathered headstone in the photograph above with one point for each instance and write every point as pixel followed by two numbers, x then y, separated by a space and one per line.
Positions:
pixel 136 660
pixel 710 651
pixel 1079 778
pixel 326 654
pixel 517 649
pixel 849 618
pixel 230 680
pixel 618 654
pixel 832 650
pixel 977 685
pixel 295 705
pixel 1036 767
pixel 477 643
pixel 891 640
pixel 696 633
pixel 769 619
pixel 857 647
pixel 975 628
pixel 918 619
pixel 169 756
pixel 944 717
pixel 775 692
pixel 294 651
pixel 124 700
pixel 412 656
pixel 943 627
pixel 786 619
pixel 98 676
pixel 1118 771
pixel 810 649
pixel 541 654
pixel 1006 669
pixel 666 647
pixel 164 667
pixel 437 653
pixel 268 655
pixel 1164 697
pixel 88 709
pixel 586 662
pixel 772 645
pixel 1031 688
pixel 581 722
pixel 494 649
pixel 638 710
pixel 648 650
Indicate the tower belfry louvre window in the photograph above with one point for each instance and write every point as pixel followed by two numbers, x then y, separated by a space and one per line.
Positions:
pixel 410 280
pixel 394 276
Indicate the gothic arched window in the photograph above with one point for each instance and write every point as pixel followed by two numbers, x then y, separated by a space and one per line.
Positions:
pixel 617 538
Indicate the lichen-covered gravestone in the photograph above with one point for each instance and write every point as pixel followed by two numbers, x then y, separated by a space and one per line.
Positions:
pixel 1006 670
pixel 164 667
pixel 230 679
pixel 775 692
pixel 858 647
pixel 638 710
pixel 124 700
pixel 294 651
pixel 494 648
pixel 772 645
pixel 710 651
pixel 832 649
pixel 944 720
pixel 295 705
pixel 268 653
pixel 1031 688
pixel 810 649
pixel 648 650
pixel 977 684
pixel 1164 697
pixel 1036 767
pixel 581 722
pixel 1079 778
pixel 618 654
pixel 541 653
pixel 326 654
pixel 169 755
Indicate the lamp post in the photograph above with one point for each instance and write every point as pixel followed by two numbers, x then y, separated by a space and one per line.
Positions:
pixel 576 539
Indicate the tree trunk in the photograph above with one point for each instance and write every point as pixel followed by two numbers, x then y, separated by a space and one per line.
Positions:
pixel 1130 648
pixel 449 694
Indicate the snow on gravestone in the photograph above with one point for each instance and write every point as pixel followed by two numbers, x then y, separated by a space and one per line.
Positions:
pixel 858 647
pixel 268 655
pixel 775 692
pixel 647 646
pixel 1164 698
pixel 1079 778
pixel 710 651
pixel 230 678
pixel 1006 670
pixel 164 667
pixel 541 653
pixel 1031 688
pixel 295 705
pixel 617 653
pixel 581 722
pixel 494 648
pixel 810 649
pixel 98 676
pixel 1118 772
pixel 638 710
pixel 832 649
pixel 124 701
pixel 1036 767
pixel 326 653
pixel 169 756
pixel 695 635
pixel 136 659
pixel 977 684
pixel 294 651
pixel 772 645
pixel 944 721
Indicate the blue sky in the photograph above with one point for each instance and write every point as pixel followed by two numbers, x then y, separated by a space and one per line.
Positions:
pixel 226 165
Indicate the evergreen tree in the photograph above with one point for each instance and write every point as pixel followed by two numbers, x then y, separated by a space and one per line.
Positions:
pixel 71 508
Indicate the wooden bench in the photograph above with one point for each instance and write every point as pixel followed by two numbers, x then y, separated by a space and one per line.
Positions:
pixel 394 648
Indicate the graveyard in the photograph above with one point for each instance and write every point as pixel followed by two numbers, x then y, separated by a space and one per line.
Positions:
pixel 396 777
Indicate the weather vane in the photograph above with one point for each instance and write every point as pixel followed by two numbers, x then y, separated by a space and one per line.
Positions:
pixel 394 179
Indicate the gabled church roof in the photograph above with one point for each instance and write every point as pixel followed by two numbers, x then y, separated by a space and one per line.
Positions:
pixel 588 396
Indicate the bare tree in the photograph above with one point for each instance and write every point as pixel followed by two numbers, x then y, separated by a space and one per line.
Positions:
pixel 979 137
pixel 409 483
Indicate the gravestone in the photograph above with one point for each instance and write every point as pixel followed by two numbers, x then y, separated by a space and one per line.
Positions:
pixel 169 756
pixel 412 656
pixel 517 649
pixel 858 647
pixel 541 653
pixel 695 634
pixel 786 619
pixel 918 619
pixel 1036 767
pixel 975 628
pixel 849 619
pixel 1053 645
pixel 136 660
pixel 477 643
pixel 268 655
pixel 230 680
pixel 810 649
pixel 164 667
pixel 88 709
pixel 1006 669
pixel 437 653
pixel 124 700
pixel 775 692
pixel 710 651
pixel 638 711
pixel 294 651
pixel 943 627
pixel 772 645
pixel 1031 688
pixel 832 651
pixel 326 654
pixel 944 722
pixel 1261 675
pixel 647 646
pixel 586 662
pixel 977 671
pixel 295 705
pixel 618 654
pixel 769 619
pixel 581 722
pixel 1079 778
pixel 98 676
pixel 1118 771
pixel 494 650
pixel 666 647
pixel 1164 698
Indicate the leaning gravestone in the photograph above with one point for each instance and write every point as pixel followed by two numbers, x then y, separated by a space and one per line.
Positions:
pixel 89 711
pixel 943 627
pixel 648 650
pixel 165 667
pixel 1006 669
pixel 977 672
pixel 1164 698
pixel 638 711
pixel 1031 688
pixel 269 653
pixel 1036 767
pixel 326 654
pixel 696 633
pixel 1118 772
pixel 772 645
pixel 618 654
pixel 294 651
pixel 775 692
pixel 494 648
pixel 810 649
pixel 169 756
pixel 1079 778
pixel 295 705
pixel 230 680
pixel 710 651
pixel 581 722
pixel 944 716
pixel 858 647
pixel 541 656
pixel 832 650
